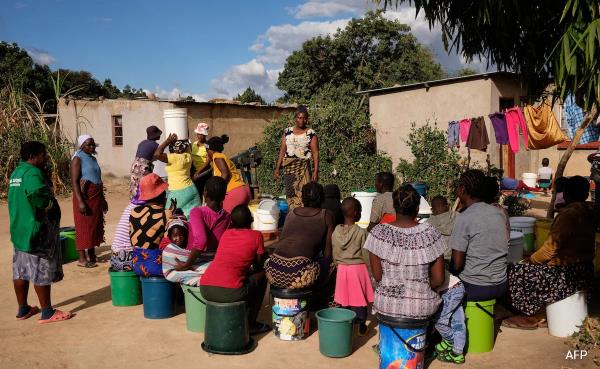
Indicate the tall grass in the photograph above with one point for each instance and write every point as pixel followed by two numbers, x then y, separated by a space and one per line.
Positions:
pixel 22 119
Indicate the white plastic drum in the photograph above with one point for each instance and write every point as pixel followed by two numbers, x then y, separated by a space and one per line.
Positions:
pixel 566 316
pixel 366 201
pixel 515 247
pixel 266 216
pixel 530 179
pixel 176 122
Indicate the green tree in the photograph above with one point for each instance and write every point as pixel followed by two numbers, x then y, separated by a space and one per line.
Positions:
pixel 463 72
pixel 250 96
pixel 347 150
pixel 541 40
pixel 371 52
pixel 109 90
pixel 433 163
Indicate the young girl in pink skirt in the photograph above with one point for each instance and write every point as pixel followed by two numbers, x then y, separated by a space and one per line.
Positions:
pixel 353 288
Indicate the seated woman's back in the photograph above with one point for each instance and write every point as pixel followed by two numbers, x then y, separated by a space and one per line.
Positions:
pixel 304 233
pixel 406 254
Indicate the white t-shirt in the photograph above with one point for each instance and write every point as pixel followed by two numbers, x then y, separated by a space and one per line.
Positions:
pixel 545 173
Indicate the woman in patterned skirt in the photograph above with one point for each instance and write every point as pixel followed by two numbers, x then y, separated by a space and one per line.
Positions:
pixel 299 146
pixel 562 266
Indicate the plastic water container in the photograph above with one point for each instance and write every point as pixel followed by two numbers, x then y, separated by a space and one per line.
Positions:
pixel 69 249
pixel 290 314
pixel 565 316
pixel 420 187
pixel 159 297
pixel 480 326
pixel 401 342
pixel 266 216
pixel 335 331
pixel 195 308
pixel 526 226
pixel 366 202
pixel 424 208
pixel 125 288
pixel 530 179
pixel 515 247
pixel 226 331
pixel 176 122
pixel 542 231
pixel 284 208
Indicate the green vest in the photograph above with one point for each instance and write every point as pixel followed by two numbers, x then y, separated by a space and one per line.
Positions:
pixel 28 199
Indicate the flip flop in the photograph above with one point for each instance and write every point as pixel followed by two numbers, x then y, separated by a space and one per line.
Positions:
pixel 32 311
pixel 88 264
pixel 512 324
pixel 261 328
pixel 58 316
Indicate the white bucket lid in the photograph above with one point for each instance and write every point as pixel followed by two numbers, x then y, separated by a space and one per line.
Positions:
pixel 179 112
pixel 268 205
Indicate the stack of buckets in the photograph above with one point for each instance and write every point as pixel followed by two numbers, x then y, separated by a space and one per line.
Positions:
pixel 366 201
pixel 525 225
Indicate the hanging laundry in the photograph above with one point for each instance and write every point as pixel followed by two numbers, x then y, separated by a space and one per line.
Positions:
pixel 542 127
pixel 514 121
pixel 453 134
pixel 478 138
pixel 574 115
pixel 465 125
pixel 499 124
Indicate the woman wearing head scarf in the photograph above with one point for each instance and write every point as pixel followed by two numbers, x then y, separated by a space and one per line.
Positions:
pixel 238 193
pixel 144 157
pixel 179 165
pixel 299 145
pixel 202 169
pixel 89 204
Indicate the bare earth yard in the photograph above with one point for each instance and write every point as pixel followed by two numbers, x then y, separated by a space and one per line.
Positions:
pixel 102 336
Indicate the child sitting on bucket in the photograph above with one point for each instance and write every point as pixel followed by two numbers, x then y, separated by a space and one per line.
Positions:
pixel 353 288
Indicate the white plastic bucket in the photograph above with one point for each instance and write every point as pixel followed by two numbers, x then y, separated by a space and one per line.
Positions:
pixel 176 122
pixel 515 247
pixel 266 216
pixel 565 316
pixel 424 208
pixel 525 225
pixel 366 201
pixel 530 179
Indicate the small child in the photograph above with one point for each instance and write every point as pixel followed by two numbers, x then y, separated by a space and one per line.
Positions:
pixel 545 173
pixel 353 288
pixel 442 218
pixel 383 203
pixel 176 253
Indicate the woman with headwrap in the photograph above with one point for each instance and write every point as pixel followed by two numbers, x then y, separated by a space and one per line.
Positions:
pixel 179 164
pixel 238 193
pixel 89 204
pixel 299 145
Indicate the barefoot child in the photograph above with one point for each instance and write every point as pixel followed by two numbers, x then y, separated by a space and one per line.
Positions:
pixel 353 284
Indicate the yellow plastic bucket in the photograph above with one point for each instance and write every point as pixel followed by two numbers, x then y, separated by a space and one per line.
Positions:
pixel 542 231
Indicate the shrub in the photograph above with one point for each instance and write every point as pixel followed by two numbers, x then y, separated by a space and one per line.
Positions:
pixel 347 150
pixel 434 163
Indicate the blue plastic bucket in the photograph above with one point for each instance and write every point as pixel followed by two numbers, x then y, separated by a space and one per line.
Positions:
pixel 159 297
pixel 420 187
pixel 283 210
pixel 402 343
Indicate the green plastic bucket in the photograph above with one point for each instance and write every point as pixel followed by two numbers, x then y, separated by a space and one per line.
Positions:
pixel 195 309
pixel 125 288
pixel 226 330
pixel 335 331
pixel 69 251
pixel 480 326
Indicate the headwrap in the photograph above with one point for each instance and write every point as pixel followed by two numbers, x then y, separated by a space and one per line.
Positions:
pixel 179 146
pixel 180 221
pixel 80 141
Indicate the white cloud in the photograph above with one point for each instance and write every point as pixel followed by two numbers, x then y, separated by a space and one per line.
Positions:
pixel 40 56
pixel 175 94
pixel 253 74
pixel 278 42
pixel 329 8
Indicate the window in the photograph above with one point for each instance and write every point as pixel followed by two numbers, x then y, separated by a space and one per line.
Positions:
pixel 117 129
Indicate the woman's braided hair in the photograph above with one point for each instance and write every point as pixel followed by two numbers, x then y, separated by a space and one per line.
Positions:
pixel 473 181
pixel 406 200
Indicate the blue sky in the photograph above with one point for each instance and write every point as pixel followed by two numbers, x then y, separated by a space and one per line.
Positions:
pixel 185 47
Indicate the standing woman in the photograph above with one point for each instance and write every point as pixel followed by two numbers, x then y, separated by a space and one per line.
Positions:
pixel 202 169
pixel 179 165
pixel 89 204
pixel 238 193
pixel 299 145
pixel 144 156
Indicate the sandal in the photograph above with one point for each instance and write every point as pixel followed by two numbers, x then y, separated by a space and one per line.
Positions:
pixel 88 264
pixel 260 328
pixel 58 316
pixel 32 311
pixel 516 323
pixel 443 346
pixel 542 323
pixel 451 357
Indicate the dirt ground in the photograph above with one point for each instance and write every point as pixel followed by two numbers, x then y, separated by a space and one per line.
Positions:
pixel 103 336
